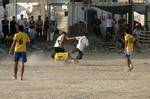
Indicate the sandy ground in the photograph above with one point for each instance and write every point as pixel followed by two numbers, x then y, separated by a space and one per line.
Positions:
pixel 97 76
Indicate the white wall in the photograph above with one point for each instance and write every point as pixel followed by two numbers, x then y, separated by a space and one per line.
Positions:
pixel 147 1
pixel 75 13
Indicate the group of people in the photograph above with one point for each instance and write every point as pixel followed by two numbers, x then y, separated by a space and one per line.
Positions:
pixel 23 35
pixel 35 28
pixel 21 41
pixel 104 25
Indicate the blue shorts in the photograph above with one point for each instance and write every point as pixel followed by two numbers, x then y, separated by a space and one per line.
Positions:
pixel 126 55
pixel 20 56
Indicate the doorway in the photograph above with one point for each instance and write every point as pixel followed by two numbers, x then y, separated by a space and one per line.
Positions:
pixel 59 14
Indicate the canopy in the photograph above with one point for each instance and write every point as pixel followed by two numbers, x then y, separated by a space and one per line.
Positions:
pixel 123 9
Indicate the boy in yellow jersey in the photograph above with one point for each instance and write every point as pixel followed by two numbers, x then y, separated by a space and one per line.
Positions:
pixel 19 44
pixel 129 46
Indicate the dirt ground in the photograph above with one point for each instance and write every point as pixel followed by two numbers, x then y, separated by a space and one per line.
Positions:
pixel 97 76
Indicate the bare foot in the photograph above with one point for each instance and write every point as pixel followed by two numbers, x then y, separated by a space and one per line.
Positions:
pixel 14 77
pixel 21 78
pixel 131 68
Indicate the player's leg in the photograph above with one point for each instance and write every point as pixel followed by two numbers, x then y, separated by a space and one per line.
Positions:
pixel 128 62
pixel 70 59
pixel 15 69
pixel 24 59
pixel 16 60
pixel 127 56
pixel 130 65
pixel 79 55
pixel 22 70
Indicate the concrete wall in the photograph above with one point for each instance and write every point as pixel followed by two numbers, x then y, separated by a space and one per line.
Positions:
pixel 75 13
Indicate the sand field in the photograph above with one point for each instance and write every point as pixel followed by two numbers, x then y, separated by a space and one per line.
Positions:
pixel 97 76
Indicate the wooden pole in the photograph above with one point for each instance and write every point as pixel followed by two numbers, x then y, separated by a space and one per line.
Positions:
pixel 15 1
pixel 130 16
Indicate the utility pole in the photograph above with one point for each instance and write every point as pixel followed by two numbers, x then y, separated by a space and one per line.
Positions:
pixel 15 3
pixel 131 12
pixel 73 11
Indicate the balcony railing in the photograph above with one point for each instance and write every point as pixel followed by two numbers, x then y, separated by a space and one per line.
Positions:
pixel 109 2
pixel 58 1
pixel 117 2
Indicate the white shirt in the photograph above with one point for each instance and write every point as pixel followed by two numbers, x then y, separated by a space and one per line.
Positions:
pixel 109 23
pixel 21 22
pixel 82 42
pixel 59 41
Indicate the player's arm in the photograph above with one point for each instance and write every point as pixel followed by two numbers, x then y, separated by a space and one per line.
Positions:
pixel 12 46
pixel 60 44
pixel 61 41
pixel 126 43
pixel 70 38
pixel 28 42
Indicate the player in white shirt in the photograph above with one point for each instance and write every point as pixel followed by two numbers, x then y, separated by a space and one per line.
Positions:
pixel 83 42
pixel 58 46
pixel 109 28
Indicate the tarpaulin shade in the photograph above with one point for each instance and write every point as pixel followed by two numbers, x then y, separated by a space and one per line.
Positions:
pixel 123 9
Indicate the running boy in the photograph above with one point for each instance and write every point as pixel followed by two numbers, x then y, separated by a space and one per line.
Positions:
pixel 19 44
pixel 129 46
pixel 83 42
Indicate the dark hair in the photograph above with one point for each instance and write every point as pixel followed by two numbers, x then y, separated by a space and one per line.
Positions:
pixel 13 17
pixel 129 31
pixel 63 32
pixel 21 28
pixel 5 16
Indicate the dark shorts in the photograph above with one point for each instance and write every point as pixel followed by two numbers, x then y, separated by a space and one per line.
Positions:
pixel 57 50
pixel 126 55
pixel 20 56
pixel 79 55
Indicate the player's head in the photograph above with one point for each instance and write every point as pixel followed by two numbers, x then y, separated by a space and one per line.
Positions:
pixel 5 17
pixel 61 31
pixel 129 31
pixel 21 28
pixel 83 34
pixel 21 16
pixel 13 17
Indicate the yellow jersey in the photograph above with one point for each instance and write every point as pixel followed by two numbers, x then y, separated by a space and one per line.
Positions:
pixel 61 56
pixel 21 40
pixel 130 39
